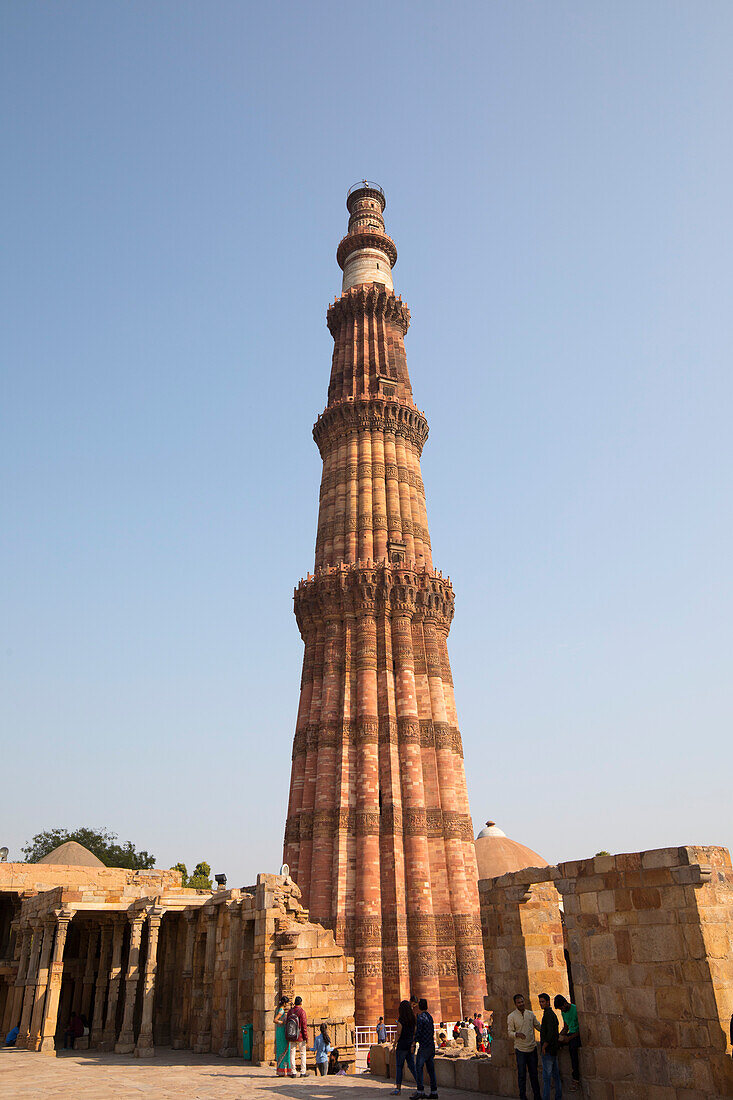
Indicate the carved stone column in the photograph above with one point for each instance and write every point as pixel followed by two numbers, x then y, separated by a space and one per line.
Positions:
pixel 56 972
pixel 34 1032
pixel 79 973
pixel 89 972
pixel 144 1047
pixel 126 1042
pixel 203 1036
pixel 180 1025
pixel 230 1044
pixel 15 995
pixel 107 1042
pixel 30 984
pixel 95 1031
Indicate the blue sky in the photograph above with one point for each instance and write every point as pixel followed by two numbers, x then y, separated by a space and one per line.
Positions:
pixel 558 180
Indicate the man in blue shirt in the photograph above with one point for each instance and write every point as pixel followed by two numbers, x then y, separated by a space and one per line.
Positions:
pixel 425 1040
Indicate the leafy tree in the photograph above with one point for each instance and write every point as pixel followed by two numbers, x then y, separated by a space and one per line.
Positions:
pixel 603 853
pixel 199 880
pixel 101 842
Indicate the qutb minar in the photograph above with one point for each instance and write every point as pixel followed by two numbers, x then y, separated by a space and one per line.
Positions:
pixel 379 835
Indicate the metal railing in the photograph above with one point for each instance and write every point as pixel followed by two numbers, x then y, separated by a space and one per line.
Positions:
pixel 365 183
pixel 366 1036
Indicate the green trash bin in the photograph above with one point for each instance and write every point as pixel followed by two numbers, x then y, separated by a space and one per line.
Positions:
pixel 247 1042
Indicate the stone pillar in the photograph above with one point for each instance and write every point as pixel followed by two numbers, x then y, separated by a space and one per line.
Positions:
pixel 368 909
pixel 230 1044
pixel 202 1044
pixel 144 1047
pixel 30 984
pixel 15 995
pixel 180 1025
pixel 107 1041
pixel 264 964
pixel 89 973
pixel 324 818
pixel 126 1042
pixel 51 1008
pixel 95 1031
pixel 34 1032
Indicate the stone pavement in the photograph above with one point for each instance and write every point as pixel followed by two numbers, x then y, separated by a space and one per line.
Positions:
pixel 174 1075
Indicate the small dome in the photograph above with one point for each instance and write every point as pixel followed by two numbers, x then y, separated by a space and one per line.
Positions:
pixel 72 854
pixel 496 854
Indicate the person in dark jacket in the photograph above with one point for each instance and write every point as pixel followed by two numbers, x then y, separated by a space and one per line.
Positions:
pixel 403 1044
pixel 549 1048
pixel 425 1040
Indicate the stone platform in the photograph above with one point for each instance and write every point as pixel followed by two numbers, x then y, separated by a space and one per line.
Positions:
pixel 172 1075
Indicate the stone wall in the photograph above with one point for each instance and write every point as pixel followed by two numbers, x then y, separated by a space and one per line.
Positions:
pixel 650 942
pixel 523 946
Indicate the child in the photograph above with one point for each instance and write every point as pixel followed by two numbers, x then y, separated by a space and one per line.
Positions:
pixel 322 1047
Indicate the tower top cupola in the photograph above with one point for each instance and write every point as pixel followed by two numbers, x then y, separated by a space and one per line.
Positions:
pixel 366 254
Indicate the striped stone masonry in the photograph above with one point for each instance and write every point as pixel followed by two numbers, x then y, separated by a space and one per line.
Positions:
pixel 378 833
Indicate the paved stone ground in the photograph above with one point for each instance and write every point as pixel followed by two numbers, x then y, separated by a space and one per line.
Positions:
pixel 174 1075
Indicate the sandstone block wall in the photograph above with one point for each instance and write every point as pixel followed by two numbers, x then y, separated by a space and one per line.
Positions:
pixel 650 942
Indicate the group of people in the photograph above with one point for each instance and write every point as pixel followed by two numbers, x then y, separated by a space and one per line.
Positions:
pixel 291 1039
pixel 522 1025
pixel 480 1026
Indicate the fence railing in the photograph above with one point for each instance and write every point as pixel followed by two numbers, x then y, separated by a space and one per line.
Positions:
pixel 366 1036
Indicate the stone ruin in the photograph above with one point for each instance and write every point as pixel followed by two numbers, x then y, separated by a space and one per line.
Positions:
pixel 150 963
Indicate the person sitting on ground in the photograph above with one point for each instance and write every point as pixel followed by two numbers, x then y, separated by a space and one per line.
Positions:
pixel 12 1035
pixel 456 1029
pixel 322 1047
pixel 402 1045
pixel 442 1034
pixel 570 1035
pixel 425 1040
pixel 334 1066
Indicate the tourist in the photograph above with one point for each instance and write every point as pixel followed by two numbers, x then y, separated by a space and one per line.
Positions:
pixel 296 1032
pixel 12 1035
pixel 74 1030
pixel 402 1045
pixel 282 1048
pixel 522 1024
pixel 322 1047
pixel 456 1029
pixel 478 1024
pixel 550 1044
pixel 570 1035
pixel 334 1066
pixel 425 1040
pixel 381 1031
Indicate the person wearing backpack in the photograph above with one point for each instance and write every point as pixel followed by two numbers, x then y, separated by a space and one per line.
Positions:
pixel 296 1033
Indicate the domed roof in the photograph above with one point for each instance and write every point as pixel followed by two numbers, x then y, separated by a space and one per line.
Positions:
pixel 72 854
pixel 496 854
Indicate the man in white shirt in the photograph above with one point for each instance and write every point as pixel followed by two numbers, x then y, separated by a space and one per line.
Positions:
pixel 522 1024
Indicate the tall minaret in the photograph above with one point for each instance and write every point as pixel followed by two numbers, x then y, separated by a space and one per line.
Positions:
pixel 379 835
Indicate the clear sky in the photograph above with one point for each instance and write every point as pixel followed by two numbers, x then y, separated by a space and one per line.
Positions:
pixel 558 180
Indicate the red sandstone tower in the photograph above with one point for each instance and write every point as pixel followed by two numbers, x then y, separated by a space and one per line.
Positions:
pixel 379 836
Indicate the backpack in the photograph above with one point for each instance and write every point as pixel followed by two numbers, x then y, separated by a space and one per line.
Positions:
pixel 292 1026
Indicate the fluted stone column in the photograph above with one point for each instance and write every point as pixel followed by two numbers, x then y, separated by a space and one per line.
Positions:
pixel 89 972
pixel 100 992
pixel 53 991
pixel 202 1044
pixel 126 1042
pixel 15 995
pixel 144 1047
pixel 34 1032
pixel 379 835
pixel 109 1035
pixel 30 984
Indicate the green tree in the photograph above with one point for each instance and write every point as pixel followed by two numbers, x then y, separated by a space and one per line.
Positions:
pixel 603 853
pixel 199 880
pixel 101 842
